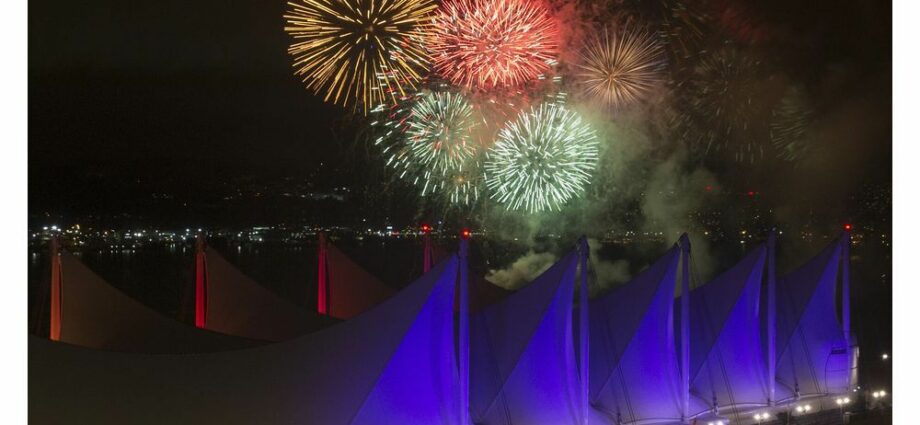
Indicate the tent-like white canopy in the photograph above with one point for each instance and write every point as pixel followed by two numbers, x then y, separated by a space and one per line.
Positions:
pixel 523 361
pixel 394 364
pixel 729 361
pixel 90 312
pixel 815 357
pixel 234 304
pixel 635 373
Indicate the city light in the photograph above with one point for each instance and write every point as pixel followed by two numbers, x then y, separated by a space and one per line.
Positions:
pixel 884 356
pixel 803 408
pixel 879 394
pixel 761 416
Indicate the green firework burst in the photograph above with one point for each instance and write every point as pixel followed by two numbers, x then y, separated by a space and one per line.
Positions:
pixel 542 160
pixel 429 140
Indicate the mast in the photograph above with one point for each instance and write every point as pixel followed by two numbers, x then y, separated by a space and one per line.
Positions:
pixel 322 278
pixel 464 331
pixel 426 254
pixel 685 326
pixel 583 326
pixel 56 289
pixel 845 304
pixel 771 318
pixel 201 282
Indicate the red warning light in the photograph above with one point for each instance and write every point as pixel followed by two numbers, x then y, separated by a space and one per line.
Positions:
pixel 426 229
pixel 709 188
pixel 751 193
pixel 465 233
pixel 848 227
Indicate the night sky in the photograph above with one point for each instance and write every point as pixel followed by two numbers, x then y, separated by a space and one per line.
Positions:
pixel 199 91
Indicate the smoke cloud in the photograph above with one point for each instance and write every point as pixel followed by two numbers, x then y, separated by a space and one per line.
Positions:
pixel 522 271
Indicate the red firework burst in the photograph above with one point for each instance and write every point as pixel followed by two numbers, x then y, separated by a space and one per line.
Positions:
pixel 493 43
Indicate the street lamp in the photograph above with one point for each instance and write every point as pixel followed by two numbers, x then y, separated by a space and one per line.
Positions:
pixel 878 396
pixel 841 402
pixel 761 416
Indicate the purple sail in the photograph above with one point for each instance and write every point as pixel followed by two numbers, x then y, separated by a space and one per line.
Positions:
pixel 523 367
pixel 635 375
pixel 728 354
pixel 812 348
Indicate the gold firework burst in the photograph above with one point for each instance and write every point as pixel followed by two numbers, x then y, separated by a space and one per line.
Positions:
pixel 359 53
pixel 620 68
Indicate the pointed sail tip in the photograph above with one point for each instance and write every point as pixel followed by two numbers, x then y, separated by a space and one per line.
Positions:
pixel 200 242
pixel 464 247
pixel 583 245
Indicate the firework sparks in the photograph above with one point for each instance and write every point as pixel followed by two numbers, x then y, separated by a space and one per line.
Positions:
pixel 790 123
pixel 622 68
pixel 683 28
pixel 492 43
pixel 359 53
pixel 725 107
pixel 541 160
pixel 429 141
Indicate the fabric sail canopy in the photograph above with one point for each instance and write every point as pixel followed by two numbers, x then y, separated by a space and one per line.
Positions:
pixel 349 290
pixel 522 360
pixel 482 293
pixel 394 364
pixel 811 343
pixel 346 289
pixel 634 372
pixel 237 305
pixel 728 362
pixel 94 314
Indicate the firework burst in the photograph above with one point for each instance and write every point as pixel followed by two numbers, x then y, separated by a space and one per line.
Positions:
pixel 429 140
pixel 359 53
pixel 725 107
pixel 541 160
pixel 789 125
pixel 622 68
pixel 489 44
pixel 683 27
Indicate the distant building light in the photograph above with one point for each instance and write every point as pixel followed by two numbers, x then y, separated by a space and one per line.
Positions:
pixel 884 356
